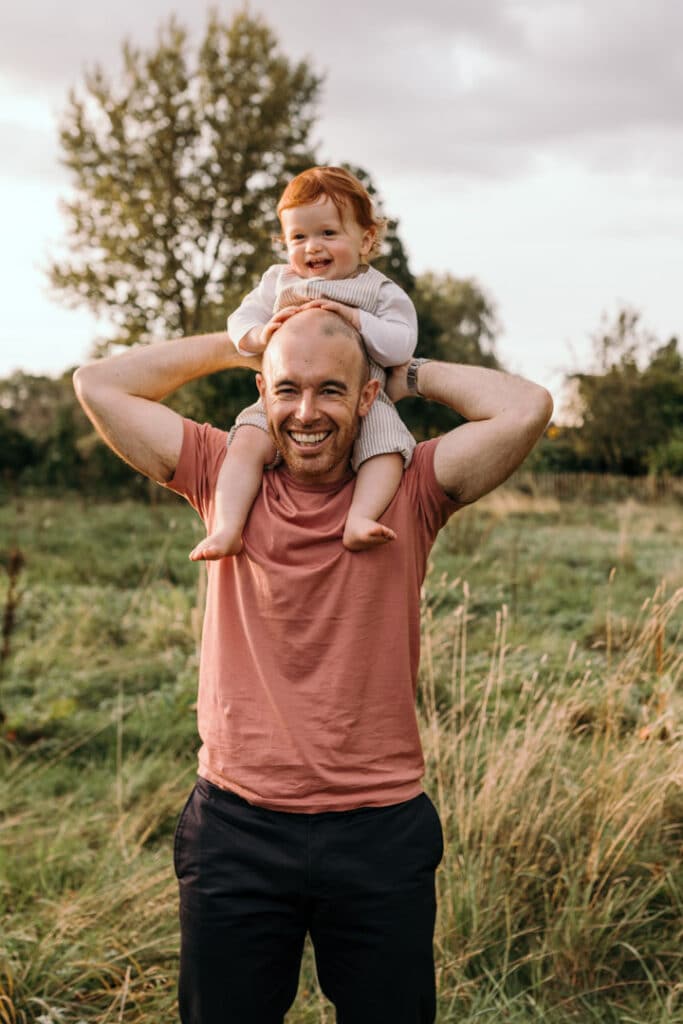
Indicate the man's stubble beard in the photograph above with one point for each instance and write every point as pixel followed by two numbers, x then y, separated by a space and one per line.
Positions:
pixel 329 461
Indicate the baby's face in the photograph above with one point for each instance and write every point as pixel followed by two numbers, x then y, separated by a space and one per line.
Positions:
pixel 322 244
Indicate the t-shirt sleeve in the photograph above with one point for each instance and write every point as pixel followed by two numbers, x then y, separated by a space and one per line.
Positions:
pixel 434 505
pixel 201 458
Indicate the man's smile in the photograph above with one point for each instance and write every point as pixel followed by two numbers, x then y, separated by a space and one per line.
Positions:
pixel 309 440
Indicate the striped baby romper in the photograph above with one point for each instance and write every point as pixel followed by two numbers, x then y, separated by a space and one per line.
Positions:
pixel 382 430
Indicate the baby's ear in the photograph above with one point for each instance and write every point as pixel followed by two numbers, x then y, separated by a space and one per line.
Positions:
pixel 368 241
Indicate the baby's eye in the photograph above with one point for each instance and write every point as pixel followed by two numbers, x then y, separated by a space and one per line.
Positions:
pixel 329 233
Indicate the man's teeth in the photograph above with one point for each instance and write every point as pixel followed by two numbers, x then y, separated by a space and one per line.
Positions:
pixel 309 438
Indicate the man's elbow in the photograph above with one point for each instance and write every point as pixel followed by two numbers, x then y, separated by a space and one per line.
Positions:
pixel 534 417
pixel 545 406
pixel 80 382
pixel 86 383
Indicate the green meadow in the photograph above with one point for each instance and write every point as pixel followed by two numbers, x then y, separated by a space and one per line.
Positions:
pixel 550 701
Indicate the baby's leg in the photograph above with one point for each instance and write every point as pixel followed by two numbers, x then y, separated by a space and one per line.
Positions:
pixel 377 481
pixel 237 485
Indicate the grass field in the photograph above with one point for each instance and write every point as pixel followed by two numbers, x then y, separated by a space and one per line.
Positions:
pixel 551 706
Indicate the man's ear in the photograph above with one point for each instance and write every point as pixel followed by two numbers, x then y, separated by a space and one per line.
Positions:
pixel 260 384
pixel 368 395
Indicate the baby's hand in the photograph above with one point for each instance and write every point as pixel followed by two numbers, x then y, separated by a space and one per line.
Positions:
pixel 348 313
pixel 252 342
pixel 276 321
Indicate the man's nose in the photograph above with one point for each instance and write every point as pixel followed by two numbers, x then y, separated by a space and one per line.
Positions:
pixel 308 407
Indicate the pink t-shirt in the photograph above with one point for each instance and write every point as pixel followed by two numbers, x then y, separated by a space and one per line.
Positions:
pixel 310 652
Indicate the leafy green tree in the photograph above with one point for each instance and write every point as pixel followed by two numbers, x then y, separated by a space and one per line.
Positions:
pixel 457 323
pixel 630 408
pixel 175 169
pixel 393 260
pixel 17 451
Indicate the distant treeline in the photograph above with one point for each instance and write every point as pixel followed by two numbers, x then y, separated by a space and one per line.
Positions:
pixel 628 417
pixel 175 169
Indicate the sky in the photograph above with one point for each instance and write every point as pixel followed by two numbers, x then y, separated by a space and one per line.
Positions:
pixel 533 145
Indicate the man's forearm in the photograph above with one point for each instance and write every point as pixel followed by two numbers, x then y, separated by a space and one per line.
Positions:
pixel 122 396
pixel 154 371
pixel 477 392
pixel 505 416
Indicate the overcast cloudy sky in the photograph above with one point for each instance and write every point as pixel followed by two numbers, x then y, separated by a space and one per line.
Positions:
pixel 536 145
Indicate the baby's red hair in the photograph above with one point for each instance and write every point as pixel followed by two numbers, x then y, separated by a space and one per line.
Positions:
pixel 345 191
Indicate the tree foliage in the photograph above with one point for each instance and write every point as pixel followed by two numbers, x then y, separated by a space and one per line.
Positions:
pixel 47 442
pixel 628 409
pixel 176 168
pixel 457 323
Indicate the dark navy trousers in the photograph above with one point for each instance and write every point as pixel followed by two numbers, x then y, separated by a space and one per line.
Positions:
pixel 253 882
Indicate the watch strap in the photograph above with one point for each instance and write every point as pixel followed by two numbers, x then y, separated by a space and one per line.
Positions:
pixel 411 374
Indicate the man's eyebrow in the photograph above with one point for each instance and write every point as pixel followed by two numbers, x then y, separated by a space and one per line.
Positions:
pixel 285 382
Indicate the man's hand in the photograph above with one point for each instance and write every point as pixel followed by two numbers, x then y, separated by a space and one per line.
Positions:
pixel 122 396
pixel 397 382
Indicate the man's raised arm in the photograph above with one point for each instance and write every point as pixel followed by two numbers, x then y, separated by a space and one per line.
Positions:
pixel 506 416
pixel 121 396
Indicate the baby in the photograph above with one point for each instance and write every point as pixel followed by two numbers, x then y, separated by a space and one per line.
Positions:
pixel 330 231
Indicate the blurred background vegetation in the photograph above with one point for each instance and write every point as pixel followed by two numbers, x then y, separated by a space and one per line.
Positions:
pixel 549 699
pixel 176 165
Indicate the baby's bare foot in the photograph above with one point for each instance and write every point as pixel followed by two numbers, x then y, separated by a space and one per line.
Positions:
pixel 217 545
pixel 361 533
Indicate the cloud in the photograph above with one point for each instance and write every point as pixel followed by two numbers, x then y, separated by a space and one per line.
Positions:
pixel 481 87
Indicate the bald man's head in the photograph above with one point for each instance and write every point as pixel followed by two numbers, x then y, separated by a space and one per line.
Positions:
pixel 315 385
pixel 312 326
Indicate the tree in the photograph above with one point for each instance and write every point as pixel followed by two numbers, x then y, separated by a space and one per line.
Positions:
pixel 457 323
pixel 629 409
pixel 393 260
pixel 176 169
pixel 17 451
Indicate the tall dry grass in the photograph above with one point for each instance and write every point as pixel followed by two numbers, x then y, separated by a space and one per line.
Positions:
pixel 558 776
pixel 562 882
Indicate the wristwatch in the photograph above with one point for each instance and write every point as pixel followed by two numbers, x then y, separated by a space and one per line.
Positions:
pixel 411 374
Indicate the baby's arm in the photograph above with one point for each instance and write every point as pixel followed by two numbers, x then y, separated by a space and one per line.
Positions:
pixel 247 323
pixel 390 334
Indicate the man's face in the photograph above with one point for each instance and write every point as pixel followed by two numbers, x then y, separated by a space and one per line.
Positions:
pixel 313 394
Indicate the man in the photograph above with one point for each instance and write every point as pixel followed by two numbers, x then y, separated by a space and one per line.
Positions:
pixel 308 814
